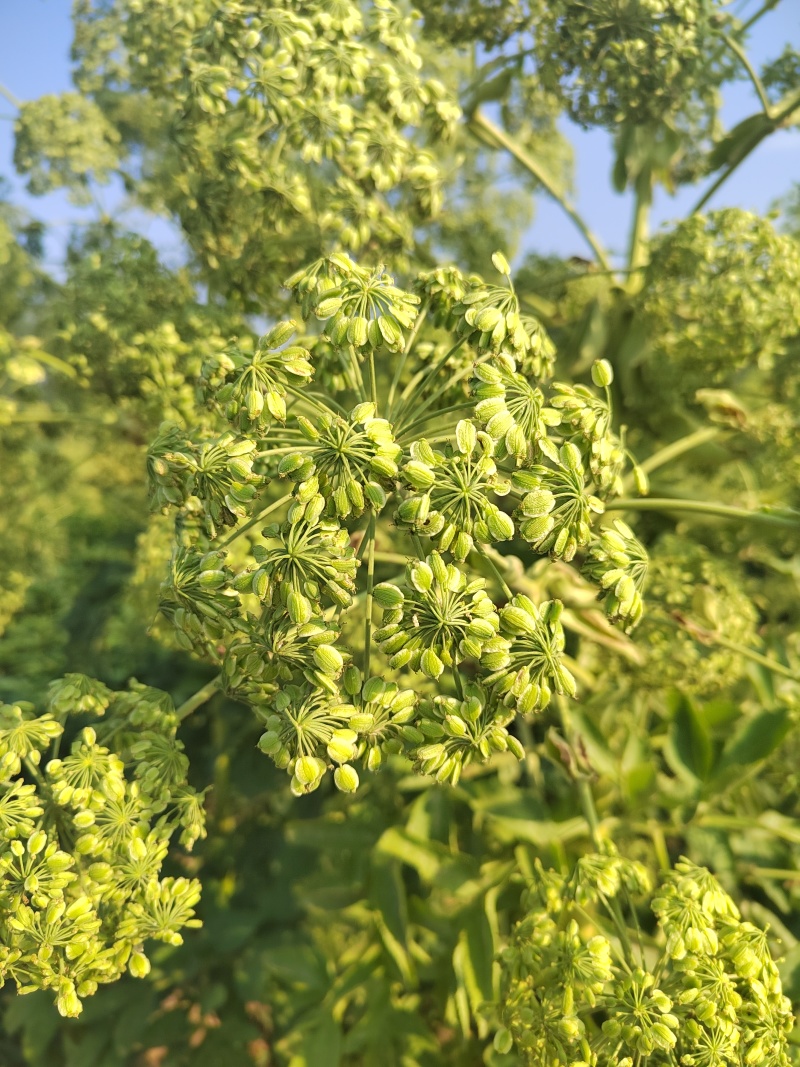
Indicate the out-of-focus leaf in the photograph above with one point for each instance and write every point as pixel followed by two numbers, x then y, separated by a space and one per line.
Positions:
pixel 388 896
pixel 689 747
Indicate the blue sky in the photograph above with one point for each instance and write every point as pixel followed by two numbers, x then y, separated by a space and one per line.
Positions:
pixel 35 37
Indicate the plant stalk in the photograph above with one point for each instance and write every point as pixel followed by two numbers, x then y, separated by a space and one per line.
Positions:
pixel 199 698
pixel 480 121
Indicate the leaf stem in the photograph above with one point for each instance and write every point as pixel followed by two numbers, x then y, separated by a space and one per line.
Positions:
pixel 480 121
pixel 714 638
pixel 765 9
pixel 414 426
pixel 373 389
pixel 704 507
pixel 357 375
pixel 199 698
pixel 427 371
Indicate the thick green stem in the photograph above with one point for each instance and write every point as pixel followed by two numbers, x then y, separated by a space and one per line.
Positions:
pixel 637 246
pixel 198 698
pixel 370 536
pixel 703 507
pixel 481 122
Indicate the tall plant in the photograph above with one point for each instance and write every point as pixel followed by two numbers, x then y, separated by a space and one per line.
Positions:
pixel 484 578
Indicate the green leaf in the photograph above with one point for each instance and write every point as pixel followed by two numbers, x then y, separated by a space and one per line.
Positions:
pixel 387 894
pixel 756 738
pixel 423 858
pixel 474 963
pixel 689 743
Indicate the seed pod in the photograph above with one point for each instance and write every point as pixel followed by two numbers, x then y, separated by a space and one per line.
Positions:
pixel 501 526
pixel 139 965
pixel 346 778
pixel 328 659
pixel 269 742
pixel 430 664
pixel 299 607
pixel 421 576
pixel 501 266
pixel 419 475
pixel 376 495
pixel 351 681
pixel 602 373
pixel 340 749
pixel 387 595
pixel 466 437
pixel 308 769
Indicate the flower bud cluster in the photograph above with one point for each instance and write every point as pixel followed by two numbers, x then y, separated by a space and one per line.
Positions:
pixel 349 461
pixel 83 837
pixel 712 996
pixel 618 562
pixel 438 619
pixel 448 493
pixel 279 610
pixel 217 473
pixel 251 388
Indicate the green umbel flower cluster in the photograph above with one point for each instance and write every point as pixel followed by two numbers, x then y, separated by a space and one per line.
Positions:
pixel 708 993
pixel 281 605
pixel 84 834
pixel 722 296
pixel 294 126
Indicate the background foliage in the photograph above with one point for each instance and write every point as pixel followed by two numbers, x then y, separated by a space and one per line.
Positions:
pixel 381 926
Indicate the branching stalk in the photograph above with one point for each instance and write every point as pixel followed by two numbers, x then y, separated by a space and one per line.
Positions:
pixel 199 698
pixel 704 507
pixel 480 121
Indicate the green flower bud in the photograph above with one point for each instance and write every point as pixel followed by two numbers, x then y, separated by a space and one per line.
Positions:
pixel 139 965
pixel 501 266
